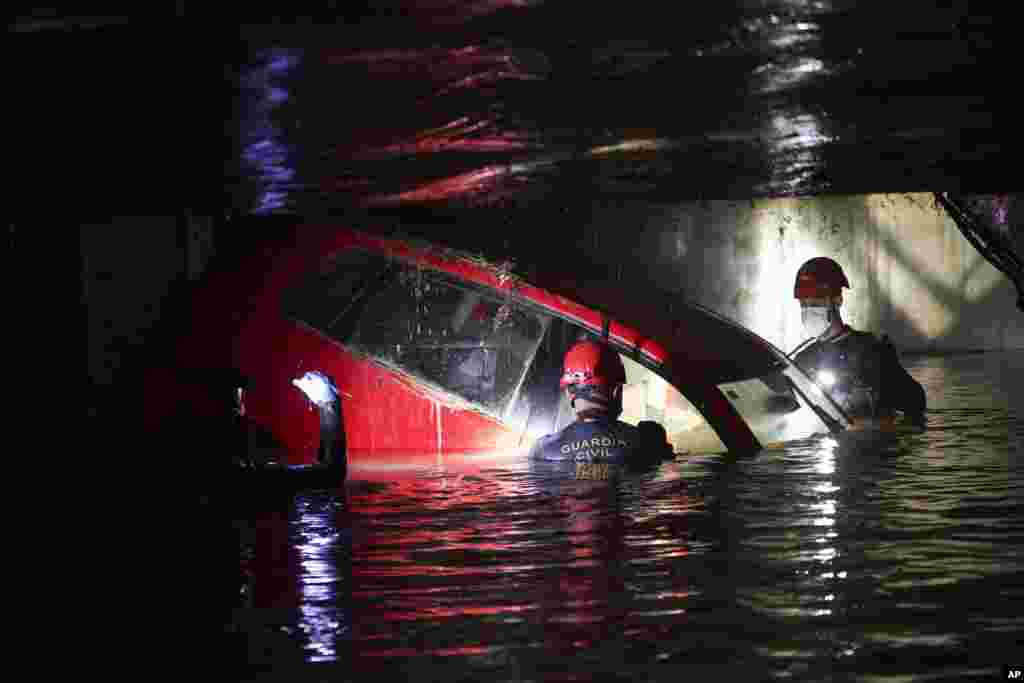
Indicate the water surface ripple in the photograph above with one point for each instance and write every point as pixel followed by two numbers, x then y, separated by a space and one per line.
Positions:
pixel 862 557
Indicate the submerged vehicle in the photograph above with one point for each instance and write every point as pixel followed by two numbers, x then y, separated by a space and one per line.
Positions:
pixel 438 357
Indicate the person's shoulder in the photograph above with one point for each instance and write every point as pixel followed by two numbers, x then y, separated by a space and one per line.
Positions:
pixel 871 345
pixel 644 436
pixel 652 439
pixel 537 449
pixel 625 428
pixel 869 339
pixel 544 443
pixel 622 433
pixel 860 338
pixel 549 438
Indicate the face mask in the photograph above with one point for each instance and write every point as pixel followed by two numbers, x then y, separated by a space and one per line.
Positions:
pixel 815 320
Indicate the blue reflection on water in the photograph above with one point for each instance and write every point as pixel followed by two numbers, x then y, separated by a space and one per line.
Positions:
pixel 267 159
pixel 323 557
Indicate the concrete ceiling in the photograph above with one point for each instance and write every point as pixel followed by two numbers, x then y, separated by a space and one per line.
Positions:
pixel 515 102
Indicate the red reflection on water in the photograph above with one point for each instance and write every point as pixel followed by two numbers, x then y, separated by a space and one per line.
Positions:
pixel 435 72
pixel 439 63
pixel 546 568
pixel 493 181
pixel 577 604
pixel 460 135
pixel 425 78
pixel 443 652
pixel 460 10
pixel 567 592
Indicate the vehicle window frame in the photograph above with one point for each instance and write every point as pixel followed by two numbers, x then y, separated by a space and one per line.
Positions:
pixel 511 296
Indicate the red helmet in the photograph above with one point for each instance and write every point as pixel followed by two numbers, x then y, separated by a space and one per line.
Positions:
pixel 590 364
pixel 820 278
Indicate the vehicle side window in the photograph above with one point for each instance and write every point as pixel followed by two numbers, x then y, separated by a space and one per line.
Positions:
pixel 326 298
pixel 467 340
pixel 542 407
pixel 771 409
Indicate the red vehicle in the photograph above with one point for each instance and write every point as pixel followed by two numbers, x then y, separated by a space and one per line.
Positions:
pixel 441 358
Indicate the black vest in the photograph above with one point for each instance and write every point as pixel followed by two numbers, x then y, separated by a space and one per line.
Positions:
pixel 868 380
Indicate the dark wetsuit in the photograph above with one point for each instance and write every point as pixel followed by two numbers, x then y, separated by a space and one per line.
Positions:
pixel 601 440
pixel 870 382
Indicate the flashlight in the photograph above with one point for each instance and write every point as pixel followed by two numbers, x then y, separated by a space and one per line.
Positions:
pixel 240 401
pixel 826 378
pixel 317 388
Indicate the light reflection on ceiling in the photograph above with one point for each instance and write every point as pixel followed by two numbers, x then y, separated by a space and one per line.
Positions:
pixel 907 97
pixel 745 102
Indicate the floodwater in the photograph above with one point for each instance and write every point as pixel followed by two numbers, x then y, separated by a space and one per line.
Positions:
pixel 877 558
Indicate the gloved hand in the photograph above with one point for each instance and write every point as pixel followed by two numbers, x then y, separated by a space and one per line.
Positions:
pixel 654 445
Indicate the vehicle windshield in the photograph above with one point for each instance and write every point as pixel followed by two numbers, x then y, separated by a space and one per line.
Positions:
pixel 778 407
pixel 783 406
pixel 782 403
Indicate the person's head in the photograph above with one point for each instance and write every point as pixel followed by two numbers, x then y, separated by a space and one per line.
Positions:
pixel 592 376
pixel 819 289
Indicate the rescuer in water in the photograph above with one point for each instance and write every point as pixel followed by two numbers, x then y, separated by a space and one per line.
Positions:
pixel 862 374
pixel 323 393
pixel 593 376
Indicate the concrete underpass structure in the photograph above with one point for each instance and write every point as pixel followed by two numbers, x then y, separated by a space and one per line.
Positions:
pixel 913 274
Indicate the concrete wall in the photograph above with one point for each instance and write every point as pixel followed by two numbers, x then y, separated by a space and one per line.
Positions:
pixel 913 274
